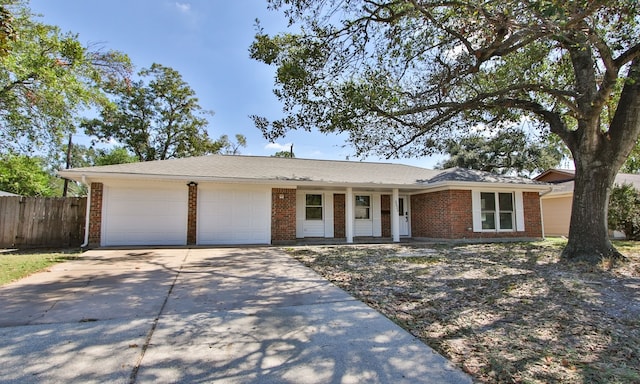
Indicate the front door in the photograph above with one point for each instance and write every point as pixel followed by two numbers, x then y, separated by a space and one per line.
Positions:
pixel 403 211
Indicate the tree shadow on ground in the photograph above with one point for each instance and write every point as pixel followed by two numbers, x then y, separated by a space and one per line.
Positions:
pixel 503 312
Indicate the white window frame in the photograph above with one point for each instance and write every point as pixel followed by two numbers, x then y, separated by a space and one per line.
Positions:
pixel 369 207
pixel 321 206
pixel 517 212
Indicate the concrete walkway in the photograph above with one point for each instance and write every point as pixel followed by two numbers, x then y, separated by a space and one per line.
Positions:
pixel 223 315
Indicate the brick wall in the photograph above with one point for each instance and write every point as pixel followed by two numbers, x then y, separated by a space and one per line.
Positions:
pixel 448 215
pixel 385 210
pixel 283 215
pixel 431 214
pixel 532 214
pixel 339 224
pixel 192 214
pixel 95 215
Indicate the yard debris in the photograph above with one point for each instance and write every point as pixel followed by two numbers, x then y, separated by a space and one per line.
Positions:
pixel 504 313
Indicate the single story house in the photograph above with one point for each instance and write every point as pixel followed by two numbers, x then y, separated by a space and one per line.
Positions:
pixel 556 205
pixel 227 200
pixel 5 193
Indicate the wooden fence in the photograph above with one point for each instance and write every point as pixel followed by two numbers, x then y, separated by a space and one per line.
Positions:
pixel 27 222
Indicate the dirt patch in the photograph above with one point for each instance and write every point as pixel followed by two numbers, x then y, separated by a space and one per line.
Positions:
pixel 504 313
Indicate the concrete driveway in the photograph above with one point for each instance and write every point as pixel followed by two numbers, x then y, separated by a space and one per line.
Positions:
pixel 224 315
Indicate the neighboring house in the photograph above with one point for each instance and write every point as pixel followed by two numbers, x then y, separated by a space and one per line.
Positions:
pixel 3 193
pixel 556 204
pixel 270 200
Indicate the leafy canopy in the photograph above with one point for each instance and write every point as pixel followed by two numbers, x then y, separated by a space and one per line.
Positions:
pixel 46 78
pixel 155 120
pixel 402 77
pixel 508 152
pixel 25 176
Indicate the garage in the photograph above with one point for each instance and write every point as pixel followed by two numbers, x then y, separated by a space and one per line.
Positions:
pixel 234 214
pixel 153 213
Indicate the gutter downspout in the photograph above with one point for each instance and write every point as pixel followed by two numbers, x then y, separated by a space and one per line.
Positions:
pixel 542 211
pixel 88 213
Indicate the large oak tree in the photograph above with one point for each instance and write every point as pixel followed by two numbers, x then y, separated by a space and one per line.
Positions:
pixel 401 76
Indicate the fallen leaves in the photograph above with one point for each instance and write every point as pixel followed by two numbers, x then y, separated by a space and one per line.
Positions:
pixel 505 313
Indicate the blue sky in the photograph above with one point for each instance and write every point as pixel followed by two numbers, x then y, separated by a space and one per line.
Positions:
pixel 207 41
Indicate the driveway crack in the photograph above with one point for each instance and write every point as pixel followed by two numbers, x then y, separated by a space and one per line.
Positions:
pixel 134 372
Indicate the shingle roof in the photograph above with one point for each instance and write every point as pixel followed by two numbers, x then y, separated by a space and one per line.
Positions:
pixel 276 169
pixel 471 175
pixel 566 187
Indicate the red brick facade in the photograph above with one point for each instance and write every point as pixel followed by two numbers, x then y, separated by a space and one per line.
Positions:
pixel 448 215
pixel 436 215
pixel 385 210
pixel 95 215
pixel 339 224
pixel 192 214
pixel 283 215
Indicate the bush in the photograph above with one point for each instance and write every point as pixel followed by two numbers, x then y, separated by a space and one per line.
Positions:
pixel 624 210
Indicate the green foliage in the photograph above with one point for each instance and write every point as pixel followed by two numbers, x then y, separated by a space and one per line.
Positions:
pixel 116 155
pixel 157 120
pixel 508 152
pixel 401 77
pixel 287 154
pixel 624 210
pixel 632 164
pixel 227 147
pixel 46 78
pixel 25 176
pixel 7 32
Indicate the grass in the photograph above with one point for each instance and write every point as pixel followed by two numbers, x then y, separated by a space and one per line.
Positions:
pixel 15 265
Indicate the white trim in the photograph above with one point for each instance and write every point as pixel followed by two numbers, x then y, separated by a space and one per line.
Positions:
pixel 328 214
pixel 395 215
pixel 349 215
pixel 476 210
pixel 519 211
pixel 87 217
pixel 376 215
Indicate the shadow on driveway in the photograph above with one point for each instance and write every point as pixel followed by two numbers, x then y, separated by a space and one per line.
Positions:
pixel 225 315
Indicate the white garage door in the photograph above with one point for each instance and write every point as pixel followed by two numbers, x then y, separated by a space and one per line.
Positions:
pixel 145 214
pixel 234 215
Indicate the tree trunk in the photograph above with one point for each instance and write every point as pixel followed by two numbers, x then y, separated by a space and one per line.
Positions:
pixel 588 232
pixel 598 156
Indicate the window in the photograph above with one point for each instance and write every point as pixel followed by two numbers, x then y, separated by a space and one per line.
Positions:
pixel 313 207
pixel 363 207
pixel 497 211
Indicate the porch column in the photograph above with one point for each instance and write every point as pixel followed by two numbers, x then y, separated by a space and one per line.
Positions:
pixel 395 215
pixel 348 213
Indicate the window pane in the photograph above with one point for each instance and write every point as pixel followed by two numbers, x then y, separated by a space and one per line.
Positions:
pixel 488 220
pixel 362 213
pixel 314 213
pixel 362 201
pixel 506 220
pixel 401 207
pixel 488 201
pixel 314 200
pixel 506 201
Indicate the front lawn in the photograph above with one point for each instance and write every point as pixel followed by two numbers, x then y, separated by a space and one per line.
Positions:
pixel 15 265
pixel 504 313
